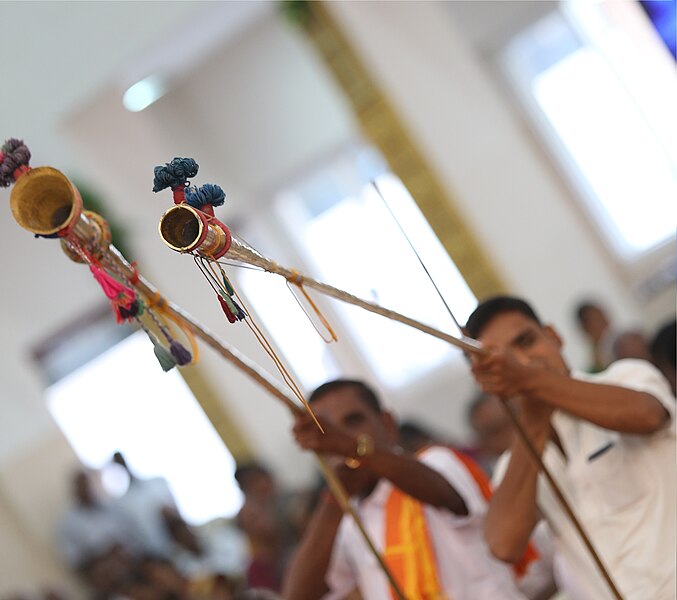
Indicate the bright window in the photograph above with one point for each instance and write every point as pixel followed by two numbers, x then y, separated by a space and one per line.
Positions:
pixel 308 356
pixel 122 400
pixel 602 88
pixel 348 238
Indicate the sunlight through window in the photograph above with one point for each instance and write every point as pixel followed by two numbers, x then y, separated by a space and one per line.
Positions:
pixel 122 400
pixel 602 88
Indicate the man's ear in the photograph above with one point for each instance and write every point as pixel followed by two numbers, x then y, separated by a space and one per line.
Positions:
pixel 552 334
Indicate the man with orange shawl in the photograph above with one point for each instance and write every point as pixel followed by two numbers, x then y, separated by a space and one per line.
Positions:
pixel 425 514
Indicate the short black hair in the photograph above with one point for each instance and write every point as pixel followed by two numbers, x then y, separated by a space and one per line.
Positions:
pixel 365 392
pixel 490 308
pixel 663 344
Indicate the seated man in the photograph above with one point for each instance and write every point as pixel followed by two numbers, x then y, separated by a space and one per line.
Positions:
pixel 425 516
pixel 609 441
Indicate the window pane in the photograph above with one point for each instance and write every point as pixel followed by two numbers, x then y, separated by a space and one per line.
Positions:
pixel 309 357
pixel 357 246
pixel 123 401
pixel 604 99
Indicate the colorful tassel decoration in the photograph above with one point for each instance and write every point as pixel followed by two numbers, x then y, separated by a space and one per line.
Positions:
pixel 226 309
pixel 174 174
pixel 122 298
pixel 210 194
pixel 163 355
pixel 181 355
pixel 14 158
pixel 136 309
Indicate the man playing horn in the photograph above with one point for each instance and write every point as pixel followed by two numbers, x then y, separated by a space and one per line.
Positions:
pixel 425 514
pixel 608 440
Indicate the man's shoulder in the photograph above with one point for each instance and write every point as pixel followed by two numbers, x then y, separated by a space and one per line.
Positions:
pixel 625 370
pixel 635 374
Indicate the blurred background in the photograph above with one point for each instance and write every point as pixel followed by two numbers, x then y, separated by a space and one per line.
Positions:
pixel 545 130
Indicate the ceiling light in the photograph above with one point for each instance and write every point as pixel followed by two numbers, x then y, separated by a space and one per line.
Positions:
pixel 143 93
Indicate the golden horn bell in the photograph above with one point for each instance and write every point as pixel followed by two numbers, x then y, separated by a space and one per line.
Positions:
pixel 44 201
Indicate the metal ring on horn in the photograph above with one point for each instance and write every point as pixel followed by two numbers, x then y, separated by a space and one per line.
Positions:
pixel 187 229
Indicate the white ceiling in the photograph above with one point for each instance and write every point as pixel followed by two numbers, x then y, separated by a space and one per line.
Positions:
pixel 57 55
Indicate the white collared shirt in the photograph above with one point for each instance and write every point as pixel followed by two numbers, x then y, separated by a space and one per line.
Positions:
pixel 466 569
pixel 622 487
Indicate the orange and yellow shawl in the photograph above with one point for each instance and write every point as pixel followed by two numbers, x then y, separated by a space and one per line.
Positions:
pixel 409 552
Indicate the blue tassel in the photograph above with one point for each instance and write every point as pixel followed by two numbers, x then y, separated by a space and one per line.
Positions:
pixel 174 173
pixel 209 193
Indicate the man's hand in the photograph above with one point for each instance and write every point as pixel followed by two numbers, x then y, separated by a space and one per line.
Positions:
pixel 334 440
pixel 500 373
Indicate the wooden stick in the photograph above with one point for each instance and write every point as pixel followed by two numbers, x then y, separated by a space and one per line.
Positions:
pixel 243 253
pixel 114 260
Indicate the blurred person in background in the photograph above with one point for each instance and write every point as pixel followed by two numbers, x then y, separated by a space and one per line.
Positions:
pixel 663 352
pixel 142 505
pixel 264 521
pixel 595 324
pixel 92 526
pixel 208 551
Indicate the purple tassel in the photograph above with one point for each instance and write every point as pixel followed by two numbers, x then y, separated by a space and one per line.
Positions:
pixel 180 354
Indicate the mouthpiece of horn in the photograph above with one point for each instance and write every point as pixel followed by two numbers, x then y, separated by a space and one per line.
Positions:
pixel 44 201
pixel 186 229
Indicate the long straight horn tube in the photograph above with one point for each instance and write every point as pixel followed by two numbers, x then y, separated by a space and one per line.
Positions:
pixel 181 228
pixel 46 203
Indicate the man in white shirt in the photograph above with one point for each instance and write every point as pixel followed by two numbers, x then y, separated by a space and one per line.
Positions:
pixel 609 441
pixel 425 516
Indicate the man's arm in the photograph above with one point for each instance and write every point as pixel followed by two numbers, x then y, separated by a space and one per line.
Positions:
pixel 305 578
pixel 404 471
pixel 609 406
pixel 513 512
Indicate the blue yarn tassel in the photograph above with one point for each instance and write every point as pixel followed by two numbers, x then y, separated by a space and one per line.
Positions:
pixel 209 193
pixel 174 173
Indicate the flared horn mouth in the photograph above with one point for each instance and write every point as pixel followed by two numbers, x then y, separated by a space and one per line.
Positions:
pixel 44 201
pixel 183 228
